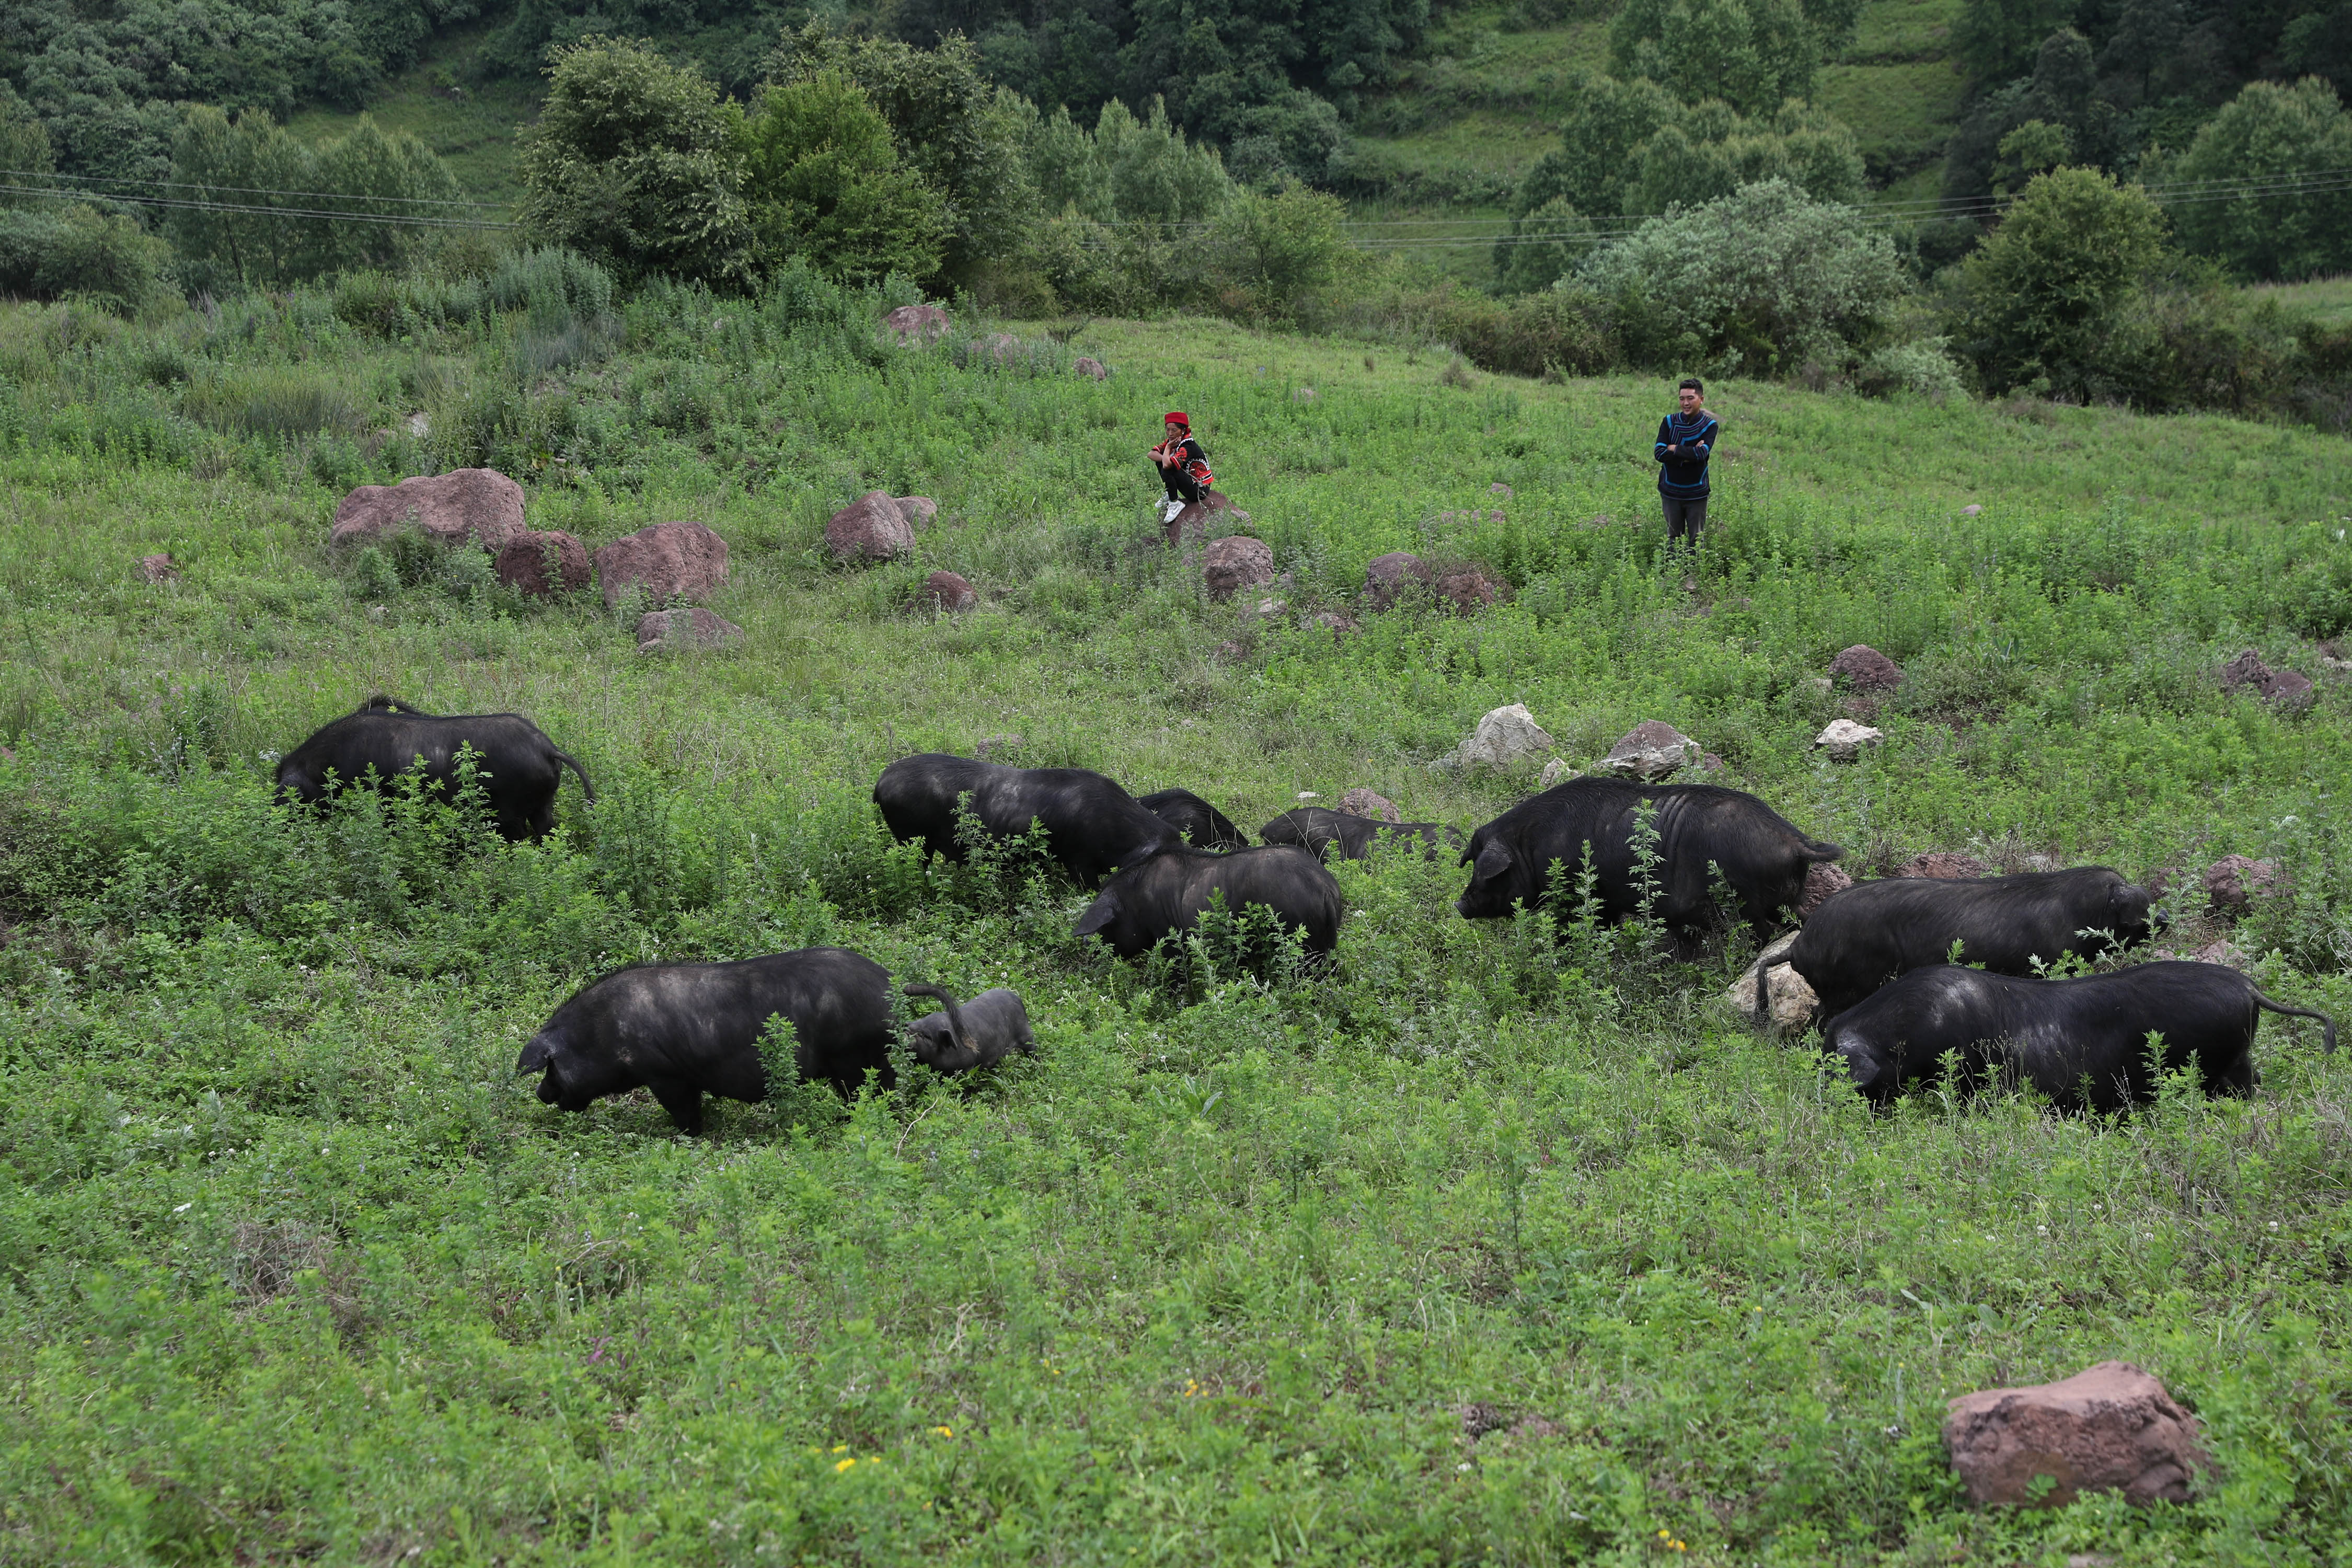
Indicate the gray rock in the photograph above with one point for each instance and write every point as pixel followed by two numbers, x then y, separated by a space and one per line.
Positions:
pixel 919 511
pixel 1789 999
pixel 1504 736
pixel 1651 749
pixel 1843 740
pixel 682 631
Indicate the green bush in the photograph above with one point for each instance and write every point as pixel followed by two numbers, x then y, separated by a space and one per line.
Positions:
pixel 2267 135
pixel 1553 331
pixel 2045 293
pixel 822 180
pixel 77 251
pixel 1754 55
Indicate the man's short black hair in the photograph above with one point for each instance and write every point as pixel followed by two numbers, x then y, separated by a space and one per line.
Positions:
pixel 1691 381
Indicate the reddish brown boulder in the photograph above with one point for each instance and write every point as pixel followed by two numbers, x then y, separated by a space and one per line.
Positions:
pixel 1821 879
pixel 1467 587
pixel 945 591
pixel 2111 1428
pixel 1651 749
pixel 919 511
pixel 1338 625
pixel 1499 488
pixel 668 561
pixel 477 504
pixel 1388 578
pixel 1944 864
pixel 870 528
pixel 155 569
pixel 1864 668
pixel 1234 563
pixel 542 564
pixel 684 630
pixel 917 323
pixel 1091 368
pixel 1363 801
pixel 2235 881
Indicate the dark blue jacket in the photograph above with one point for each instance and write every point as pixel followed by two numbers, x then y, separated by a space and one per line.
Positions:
pixel 1684 475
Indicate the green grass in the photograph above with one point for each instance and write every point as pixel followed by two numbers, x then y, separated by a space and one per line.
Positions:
pixel 1902 113
pixel 467 119
pixel 2326 300
pixel 292 1269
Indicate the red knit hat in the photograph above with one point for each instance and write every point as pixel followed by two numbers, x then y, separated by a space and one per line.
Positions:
pixel 1178 416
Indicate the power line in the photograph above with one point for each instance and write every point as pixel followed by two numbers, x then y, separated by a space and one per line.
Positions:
pixel 238 190
pixel 303 212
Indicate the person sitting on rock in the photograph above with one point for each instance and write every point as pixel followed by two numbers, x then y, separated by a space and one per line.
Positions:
pixel 1183 467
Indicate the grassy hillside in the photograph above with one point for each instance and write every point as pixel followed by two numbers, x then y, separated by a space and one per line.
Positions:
pixel 1480 1248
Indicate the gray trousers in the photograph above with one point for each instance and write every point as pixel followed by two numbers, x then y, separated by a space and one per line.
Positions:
pixel 1684 519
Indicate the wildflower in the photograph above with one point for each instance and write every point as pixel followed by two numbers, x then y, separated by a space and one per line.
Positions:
pixel 944 1431
pixel 842 1466
pixel 841 1448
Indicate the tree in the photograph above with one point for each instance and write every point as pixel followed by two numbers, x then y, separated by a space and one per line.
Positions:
pixel 635 163
pixel 2269 133
pixel 2321 44
pixel 1996 39
pixel 2042 294
pixel 1125 170
pixel 959 131
pixel 1754 55
pixel 1759 281
pixel 1286 251
pixel 823 179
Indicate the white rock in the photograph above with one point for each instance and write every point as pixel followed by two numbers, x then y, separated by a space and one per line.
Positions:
pixel 1555 771
pixel 420 424
pixel 1503 736
pixel 1651 749
pixel 1791 1000
pixel 1845 739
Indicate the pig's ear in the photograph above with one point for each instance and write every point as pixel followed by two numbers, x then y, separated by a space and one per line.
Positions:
pixel 1100 913
pixel 540 1053
pixel 1493 861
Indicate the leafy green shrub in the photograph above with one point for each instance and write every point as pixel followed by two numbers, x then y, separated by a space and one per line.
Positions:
pixel 2045 292
pixel 1922 368
pixel 823 181
pixel 79 252
pixel 1754 55
pixel 278 400
pixel 2265 136
pixel 1554 330
pixel 1764 280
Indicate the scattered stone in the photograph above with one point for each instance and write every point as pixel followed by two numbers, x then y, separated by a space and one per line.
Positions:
pixel 1340 626
pixel 946 591
pixel 2235 881
pixel 1789 1000
pixel 1363 801
pixel 1004 348
pixel 1499 488
pixel 1503 736
pixel 1864 668
pixel 2221 951
pixel 917 323
pixel 1845 739
pixel 157 569
pixel 1477 1420
pixel 1651 749
pixel 1708 763
pixel 1193 519
pixel 993 744
pixel 1554 772
pixel 2284 689
pixel 2112 1428
pixel 1821 879
pixel 1388 577
pixel 480 505
pixel 1469 588
pixel 919 511
pixel 1091 368
pixel 684 631
pixel 871 528
pixel 1302 394
pixel 1822 683
pixel 420 424
pixel 2334 666
pixel 1944 865
pixel 1272 609
pixel 541 563
pixel 1232 650
pixel 668 561
pixel 1971 509
pixel 1234 563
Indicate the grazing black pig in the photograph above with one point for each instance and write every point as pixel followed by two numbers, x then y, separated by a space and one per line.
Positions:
pixel 1168 893
pixel 518 766
pixel 1325 833
pixel 1204 825
pixel 680 1029
pixel 1861 937
pixel 975 1034
pixel 1762 856
pixel 1092 824
pixel 2080 1042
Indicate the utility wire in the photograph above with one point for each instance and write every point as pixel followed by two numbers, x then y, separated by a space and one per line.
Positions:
pixel 238 190
pixel 304 212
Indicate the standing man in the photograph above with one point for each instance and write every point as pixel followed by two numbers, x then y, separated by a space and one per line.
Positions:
pixel 1685 441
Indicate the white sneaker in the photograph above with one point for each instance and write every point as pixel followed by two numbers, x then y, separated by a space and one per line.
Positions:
pixel 1170 507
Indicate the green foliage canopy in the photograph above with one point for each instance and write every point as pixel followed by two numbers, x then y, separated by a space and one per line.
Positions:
pixel 635 163
pixel 823 179
pixel 1752 54
pixel 2045 292
pixel 2267 132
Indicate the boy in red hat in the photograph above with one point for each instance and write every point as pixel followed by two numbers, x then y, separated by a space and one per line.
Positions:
pixel 1184 466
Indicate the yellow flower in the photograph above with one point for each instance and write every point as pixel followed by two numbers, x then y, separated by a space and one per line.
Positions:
pixel 944 1431
pixel 1663 1535
pixel 844 1448
pixel 842 1466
